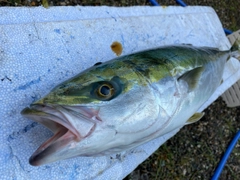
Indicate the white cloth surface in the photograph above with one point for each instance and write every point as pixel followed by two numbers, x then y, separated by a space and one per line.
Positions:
pixel 40 48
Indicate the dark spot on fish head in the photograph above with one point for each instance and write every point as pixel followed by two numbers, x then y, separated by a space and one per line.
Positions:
pixel 98 63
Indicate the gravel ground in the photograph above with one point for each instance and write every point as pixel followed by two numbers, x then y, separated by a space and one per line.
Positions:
pixel 196 150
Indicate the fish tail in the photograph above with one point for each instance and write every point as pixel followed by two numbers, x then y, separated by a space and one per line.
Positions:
pixel 235 40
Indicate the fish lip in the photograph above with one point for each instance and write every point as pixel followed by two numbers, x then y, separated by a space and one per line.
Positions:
pixel 50 146
pixel 64 133
pixel 40 113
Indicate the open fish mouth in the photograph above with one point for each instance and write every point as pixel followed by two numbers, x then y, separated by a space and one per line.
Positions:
pixel 69 125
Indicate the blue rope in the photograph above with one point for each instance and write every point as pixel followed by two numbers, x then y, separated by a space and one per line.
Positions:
pixel 181 3
pixel 154 3
pixel 227 31
pixel 225 156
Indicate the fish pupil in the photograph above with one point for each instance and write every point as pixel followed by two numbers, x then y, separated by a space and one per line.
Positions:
pixel 105 90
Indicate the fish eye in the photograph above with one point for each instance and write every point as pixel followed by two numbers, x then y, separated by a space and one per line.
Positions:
pixel 105 91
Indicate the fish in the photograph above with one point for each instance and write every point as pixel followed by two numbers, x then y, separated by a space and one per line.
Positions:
pixel 122 103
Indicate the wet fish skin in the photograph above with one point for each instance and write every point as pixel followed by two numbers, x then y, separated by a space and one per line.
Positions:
pixel 122 103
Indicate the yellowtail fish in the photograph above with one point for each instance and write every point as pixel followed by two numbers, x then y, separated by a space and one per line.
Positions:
pixel 122 103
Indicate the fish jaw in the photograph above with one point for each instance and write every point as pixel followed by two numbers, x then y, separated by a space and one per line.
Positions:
pixel 65 128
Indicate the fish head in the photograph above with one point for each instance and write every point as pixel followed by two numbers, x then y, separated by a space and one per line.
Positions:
pixel 98 112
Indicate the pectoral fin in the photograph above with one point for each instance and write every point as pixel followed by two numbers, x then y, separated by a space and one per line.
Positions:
pixel 194 118
pixel 192 77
